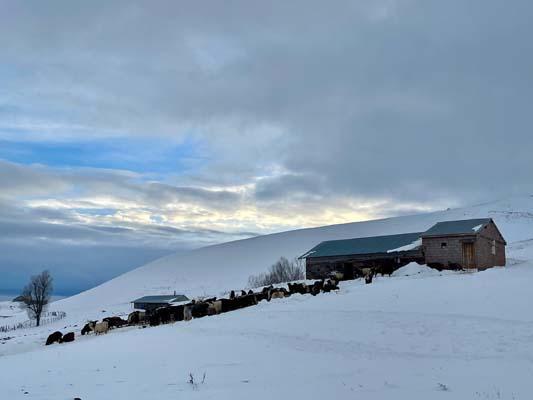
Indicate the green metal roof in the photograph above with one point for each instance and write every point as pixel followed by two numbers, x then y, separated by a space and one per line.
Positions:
pixel 161 299
pixel 394 243
pixel 366 245
pixel 461 227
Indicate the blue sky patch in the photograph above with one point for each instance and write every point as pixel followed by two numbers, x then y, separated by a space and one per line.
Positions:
pixel 152 156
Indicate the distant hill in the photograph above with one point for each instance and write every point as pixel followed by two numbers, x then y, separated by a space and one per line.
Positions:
pixel 215 269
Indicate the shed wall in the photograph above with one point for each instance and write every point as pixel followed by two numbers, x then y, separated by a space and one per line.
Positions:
pixel 449 256
pixel 484 256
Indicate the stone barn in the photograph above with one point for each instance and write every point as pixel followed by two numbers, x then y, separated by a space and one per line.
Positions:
pixel 464 244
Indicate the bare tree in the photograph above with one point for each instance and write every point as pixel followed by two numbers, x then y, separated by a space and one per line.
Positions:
pixel 282 271
pixel 36 295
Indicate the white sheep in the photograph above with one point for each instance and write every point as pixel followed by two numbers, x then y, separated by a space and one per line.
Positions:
pixel 101 327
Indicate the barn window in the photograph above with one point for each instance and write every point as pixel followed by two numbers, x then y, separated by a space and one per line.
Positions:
pixel 493 250
pixel 443 245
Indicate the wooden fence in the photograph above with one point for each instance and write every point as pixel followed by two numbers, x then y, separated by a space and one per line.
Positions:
pixel 47 318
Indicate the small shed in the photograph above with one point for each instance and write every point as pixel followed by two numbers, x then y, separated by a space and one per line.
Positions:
pixel 150 303
pixel 467 244
pixel 378 252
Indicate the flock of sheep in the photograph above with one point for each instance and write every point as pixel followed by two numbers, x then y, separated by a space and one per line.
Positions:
pixel 199 308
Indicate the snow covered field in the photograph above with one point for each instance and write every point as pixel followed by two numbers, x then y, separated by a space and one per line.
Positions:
pixel 417 335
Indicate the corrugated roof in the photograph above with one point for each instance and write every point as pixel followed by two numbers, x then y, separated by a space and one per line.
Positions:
pixel 461 227
pixel 366 245
pixel 161 299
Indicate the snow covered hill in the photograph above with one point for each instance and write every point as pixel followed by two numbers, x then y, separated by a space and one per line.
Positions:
pixel 419 334
pixel 415 336
pixel 215 269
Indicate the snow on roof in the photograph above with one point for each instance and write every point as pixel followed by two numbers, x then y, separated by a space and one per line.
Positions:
pixel 307 254
pixel 161 299
pixel 408 247
pixel 477 227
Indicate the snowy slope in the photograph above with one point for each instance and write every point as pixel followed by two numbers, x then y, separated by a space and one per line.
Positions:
pixel 455 336
pixel 215 269
pixel 416 335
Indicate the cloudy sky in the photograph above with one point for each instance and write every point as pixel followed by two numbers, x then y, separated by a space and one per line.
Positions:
pixel 129 130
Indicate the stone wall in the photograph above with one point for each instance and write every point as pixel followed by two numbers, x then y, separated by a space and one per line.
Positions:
pixel 447 250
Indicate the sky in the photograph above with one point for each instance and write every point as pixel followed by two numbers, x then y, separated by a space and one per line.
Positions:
pixel 130 129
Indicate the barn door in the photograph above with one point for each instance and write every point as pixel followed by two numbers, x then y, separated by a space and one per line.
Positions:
pixel 468 255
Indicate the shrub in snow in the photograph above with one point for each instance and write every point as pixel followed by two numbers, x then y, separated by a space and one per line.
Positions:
pixel 443 387
pixel 282 271
pixel 194 383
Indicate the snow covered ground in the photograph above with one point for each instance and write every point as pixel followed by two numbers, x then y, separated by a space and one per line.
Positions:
pixel 417 335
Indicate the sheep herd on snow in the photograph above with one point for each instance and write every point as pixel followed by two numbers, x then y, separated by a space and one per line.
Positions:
pixel 199 308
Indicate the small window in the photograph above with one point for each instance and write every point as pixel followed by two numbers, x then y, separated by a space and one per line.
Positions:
pixel 493 250
pixel 443 245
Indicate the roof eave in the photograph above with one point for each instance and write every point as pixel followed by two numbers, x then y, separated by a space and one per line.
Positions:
pixel 391 254
pixel 448 234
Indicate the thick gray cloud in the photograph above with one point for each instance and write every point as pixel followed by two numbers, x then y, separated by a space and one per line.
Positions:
pixel 376 98
pixel 360 108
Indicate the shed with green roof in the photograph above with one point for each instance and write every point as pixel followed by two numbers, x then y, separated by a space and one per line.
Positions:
pixel 150 303
pixel 461 244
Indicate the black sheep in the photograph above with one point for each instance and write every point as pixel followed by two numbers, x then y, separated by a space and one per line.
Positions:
pixel 330 285
pixel 154 319
pixel 54 338
pixel 163 314
pixel 228 305
pixel 67 338
pixel 115 322
pixel 261 296
pixel 298 288
pixel 199 309
pixel 176 313
pixel 88 328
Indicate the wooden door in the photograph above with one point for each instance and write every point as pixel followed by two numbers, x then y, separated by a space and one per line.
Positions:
pixel 468 255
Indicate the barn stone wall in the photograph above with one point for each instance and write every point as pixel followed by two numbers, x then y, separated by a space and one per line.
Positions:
pixel 318 270
pixel 484 248
pixel 450 255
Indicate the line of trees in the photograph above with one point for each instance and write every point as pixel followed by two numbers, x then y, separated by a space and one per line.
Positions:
pixel 281 271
